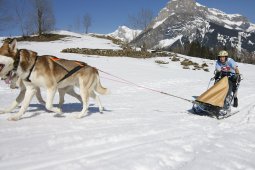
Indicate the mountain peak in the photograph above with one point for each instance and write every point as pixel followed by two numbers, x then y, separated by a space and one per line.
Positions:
pixel 125 34
pixel 185 21
pixel 192 9
pixel 176 7
pixel 183 3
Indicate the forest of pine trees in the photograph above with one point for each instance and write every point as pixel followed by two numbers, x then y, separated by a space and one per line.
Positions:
pixel 195 49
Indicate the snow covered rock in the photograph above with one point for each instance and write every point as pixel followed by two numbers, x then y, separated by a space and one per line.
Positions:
pixel 125 34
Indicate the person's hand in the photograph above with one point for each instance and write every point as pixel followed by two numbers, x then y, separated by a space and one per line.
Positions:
pixel 236 77
pixel 217 75
pixel 239 78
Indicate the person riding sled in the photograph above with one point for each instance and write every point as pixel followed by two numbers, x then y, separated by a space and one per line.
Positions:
pixel 226 66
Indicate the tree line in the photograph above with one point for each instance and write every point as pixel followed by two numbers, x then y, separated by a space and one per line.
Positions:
pixel 195 49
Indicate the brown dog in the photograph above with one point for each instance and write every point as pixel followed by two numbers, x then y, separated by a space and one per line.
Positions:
pixel 43 71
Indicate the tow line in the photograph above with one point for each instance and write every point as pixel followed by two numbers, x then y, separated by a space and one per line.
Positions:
pixel 124 81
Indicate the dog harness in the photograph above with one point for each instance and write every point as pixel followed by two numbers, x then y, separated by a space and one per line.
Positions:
pixel 31 69
pixel 71 72
pixel 55 59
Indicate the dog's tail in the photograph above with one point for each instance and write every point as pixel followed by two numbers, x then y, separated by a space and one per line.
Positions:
pixel 99 88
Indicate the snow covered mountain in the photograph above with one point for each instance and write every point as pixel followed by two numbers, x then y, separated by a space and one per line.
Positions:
pixel 125 34
pixel 184 21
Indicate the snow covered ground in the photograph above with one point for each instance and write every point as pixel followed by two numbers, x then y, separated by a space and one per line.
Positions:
pixel 139 129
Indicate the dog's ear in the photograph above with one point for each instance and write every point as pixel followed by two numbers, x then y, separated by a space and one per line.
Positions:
pixel 28 56
pixel 13 45
pixel 33 54
pixel 27 59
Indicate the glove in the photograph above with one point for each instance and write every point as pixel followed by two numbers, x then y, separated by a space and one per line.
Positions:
pixel 236 78
pixel 224 73
pixel 217 75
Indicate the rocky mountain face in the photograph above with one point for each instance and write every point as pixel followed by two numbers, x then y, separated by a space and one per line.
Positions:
pixel 185 21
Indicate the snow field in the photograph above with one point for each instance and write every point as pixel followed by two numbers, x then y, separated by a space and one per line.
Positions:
pixel 139 129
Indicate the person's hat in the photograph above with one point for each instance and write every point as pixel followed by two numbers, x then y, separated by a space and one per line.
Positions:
pixel 223 53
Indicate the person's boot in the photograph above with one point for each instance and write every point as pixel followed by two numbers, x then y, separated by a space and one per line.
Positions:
pixel 235 102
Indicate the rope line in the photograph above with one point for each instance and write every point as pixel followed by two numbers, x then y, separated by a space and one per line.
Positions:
pixel 134 84
pixel 115 80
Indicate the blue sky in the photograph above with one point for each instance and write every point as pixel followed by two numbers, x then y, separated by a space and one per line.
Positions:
pixel 107 15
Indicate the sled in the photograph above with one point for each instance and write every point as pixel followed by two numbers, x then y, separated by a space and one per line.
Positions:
pixel 216 101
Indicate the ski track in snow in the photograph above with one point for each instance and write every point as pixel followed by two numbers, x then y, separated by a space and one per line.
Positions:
pixel 139 129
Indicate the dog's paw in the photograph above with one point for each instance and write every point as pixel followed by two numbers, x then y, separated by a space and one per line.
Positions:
pixel 79 116
pixel 13 118
pixel 101 110
pixel 57 110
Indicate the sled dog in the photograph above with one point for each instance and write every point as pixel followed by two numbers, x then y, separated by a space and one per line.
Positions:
pixel 50 73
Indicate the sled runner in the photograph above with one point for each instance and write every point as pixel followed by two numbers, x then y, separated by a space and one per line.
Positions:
pixel 216 101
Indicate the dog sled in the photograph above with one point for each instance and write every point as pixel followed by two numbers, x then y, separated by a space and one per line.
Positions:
pixel 217 100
